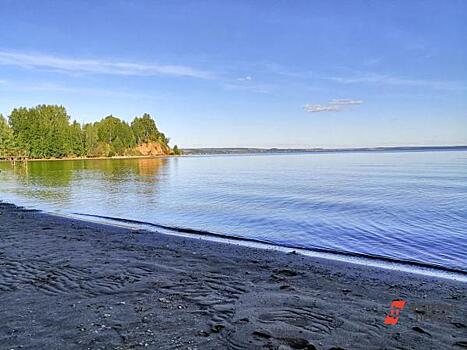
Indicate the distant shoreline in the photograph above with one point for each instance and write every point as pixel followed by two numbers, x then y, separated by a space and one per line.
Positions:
pixel 246 150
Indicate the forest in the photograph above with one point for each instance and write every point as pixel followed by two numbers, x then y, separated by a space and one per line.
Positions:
pixel 45 131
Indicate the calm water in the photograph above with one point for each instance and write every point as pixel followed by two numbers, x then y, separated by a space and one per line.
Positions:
pixel 404 205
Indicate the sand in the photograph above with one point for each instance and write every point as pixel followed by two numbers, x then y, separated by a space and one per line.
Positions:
pixel 69 284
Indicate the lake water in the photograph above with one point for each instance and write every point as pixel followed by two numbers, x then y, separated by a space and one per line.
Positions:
pixel 401 205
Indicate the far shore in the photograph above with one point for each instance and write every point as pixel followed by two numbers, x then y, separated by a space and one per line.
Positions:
pixel 71 284
pixel 254 151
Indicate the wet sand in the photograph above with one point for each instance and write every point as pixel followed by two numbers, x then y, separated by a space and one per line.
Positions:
pixel 69 284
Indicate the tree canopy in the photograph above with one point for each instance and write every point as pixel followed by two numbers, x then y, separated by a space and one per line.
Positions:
pixel 6 137
pixel 45 131
pixel 177 151
pixel 145 129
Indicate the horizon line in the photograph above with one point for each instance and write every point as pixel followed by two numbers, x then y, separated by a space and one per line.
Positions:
pixel 327 148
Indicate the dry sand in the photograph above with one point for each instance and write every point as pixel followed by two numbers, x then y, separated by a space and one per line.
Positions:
pixel 68 284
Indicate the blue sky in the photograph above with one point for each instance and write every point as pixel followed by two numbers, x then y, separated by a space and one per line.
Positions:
pixel 246 73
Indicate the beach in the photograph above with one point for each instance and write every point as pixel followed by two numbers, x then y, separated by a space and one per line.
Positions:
pixel 70 284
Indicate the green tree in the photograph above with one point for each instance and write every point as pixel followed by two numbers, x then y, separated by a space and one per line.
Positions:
pixel 163 139
pixel 145 129
pixel 6 138
pixel 43 131
pixel 77 140
pixel 116 133
pixel 177 151
pixel 91 140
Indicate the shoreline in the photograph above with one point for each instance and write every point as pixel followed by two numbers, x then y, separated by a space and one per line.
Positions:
pixel 197 152
pixel 377 261
pixel 93 158
pixel 377 149
pixel 384 262
pixel 68 283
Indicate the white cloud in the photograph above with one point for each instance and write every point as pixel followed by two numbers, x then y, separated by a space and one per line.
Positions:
pixel 84 91
pixel 381 79
pixel 247 78
pixel 345 102
pixel 335 105
pixel 261 88
pixel 98 66
pixel 313 108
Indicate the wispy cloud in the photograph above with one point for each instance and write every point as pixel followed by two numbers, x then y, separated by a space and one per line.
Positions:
pixel 286 72
pixel 345 102
pixel 98 66
pixel 246 83
pixel 382 79
pixel 313 108
pixel 335 105
pixel 261 88
pixel 83 91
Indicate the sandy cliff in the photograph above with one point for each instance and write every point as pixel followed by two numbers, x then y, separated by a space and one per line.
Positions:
pixel 153 149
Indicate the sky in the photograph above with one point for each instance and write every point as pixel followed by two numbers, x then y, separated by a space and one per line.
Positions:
pixel 237 73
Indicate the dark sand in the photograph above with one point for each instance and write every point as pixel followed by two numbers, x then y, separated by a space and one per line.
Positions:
pixel 68 284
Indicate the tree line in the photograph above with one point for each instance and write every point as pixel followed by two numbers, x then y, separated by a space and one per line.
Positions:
pixel 45 131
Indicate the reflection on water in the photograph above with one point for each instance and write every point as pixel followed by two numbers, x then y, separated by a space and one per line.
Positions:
pixel 403 205
pixel 55 180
